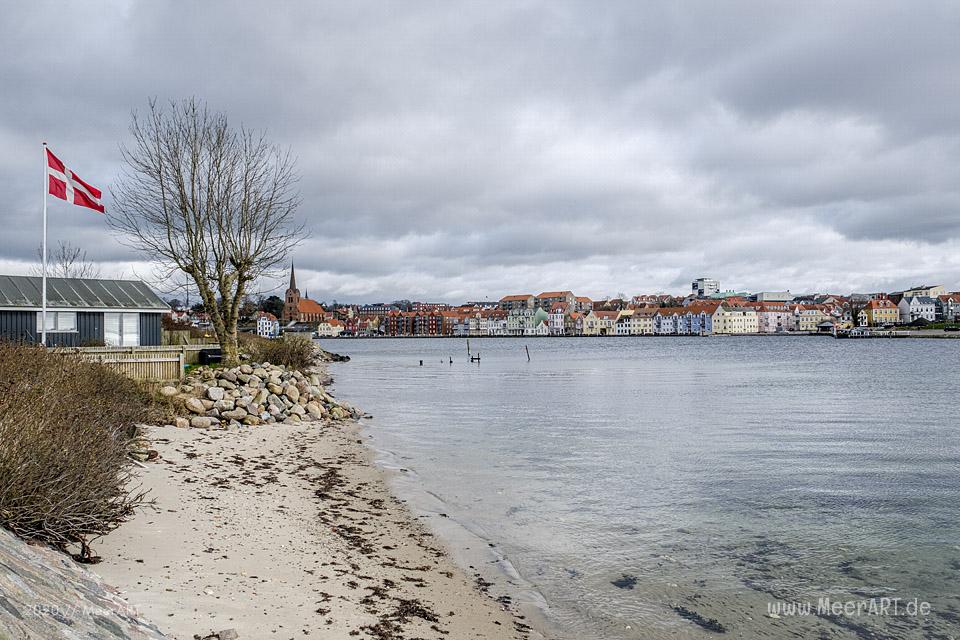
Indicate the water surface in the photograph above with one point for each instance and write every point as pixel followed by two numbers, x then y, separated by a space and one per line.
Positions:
pixel 645 486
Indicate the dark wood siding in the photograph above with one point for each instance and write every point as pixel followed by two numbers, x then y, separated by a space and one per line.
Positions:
pixel 18 326
pixel 89 332
pixel 149 329
pixel 22 326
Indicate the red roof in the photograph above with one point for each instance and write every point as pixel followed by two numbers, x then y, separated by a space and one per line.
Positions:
pixel 516 298
pixel 306 305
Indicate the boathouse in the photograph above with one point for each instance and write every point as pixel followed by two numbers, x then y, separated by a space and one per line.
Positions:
pixel 81 311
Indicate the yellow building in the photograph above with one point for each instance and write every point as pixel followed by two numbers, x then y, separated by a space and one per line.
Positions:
pixel 600 323
pixel 735 320
pixel 881 312
pixel 807 316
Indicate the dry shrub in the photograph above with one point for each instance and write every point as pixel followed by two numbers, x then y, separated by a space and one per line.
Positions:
pixel 66 428
pixel 292 352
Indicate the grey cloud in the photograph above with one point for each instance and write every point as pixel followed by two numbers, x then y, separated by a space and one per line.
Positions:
pixel 456 150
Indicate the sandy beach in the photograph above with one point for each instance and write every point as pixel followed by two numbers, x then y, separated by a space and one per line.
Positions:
pixel 289 531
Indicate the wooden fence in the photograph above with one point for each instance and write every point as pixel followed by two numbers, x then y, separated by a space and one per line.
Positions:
pixel 142 363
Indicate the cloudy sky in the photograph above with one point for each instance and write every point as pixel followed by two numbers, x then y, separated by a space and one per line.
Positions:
pixel 454 151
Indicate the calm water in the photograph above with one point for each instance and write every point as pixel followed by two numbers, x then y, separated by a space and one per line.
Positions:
pixel 706 477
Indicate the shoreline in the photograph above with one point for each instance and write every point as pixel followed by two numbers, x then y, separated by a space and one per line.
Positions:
pixel 278 531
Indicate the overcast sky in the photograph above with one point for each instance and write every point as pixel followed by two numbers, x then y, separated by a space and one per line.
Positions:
pixel 453 151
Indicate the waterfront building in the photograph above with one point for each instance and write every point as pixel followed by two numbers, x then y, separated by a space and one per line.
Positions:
pixel 538 325
pixel 573 324
pixel 948 307
pixel 496 322
pixel 267 325
pixel 299 309
pixel 917 307
pixel 773 317
pixel 600 323
pixel 807 317
pixel 558 313
pixel 331 328
pixel 518 319
pixel 735 320
pixel 81 311
pixel 879 312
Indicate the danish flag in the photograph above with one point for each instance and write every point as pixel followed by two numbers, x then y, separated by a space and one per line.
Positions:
pixel 66 185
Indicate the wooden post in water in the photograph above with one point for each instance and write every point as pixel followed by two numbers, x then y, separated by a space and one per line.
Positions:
pixel 468 346
pixel 528 352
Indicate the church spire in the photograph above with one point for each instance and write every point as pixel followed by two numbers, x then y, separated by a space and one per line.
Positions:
pixel 293 277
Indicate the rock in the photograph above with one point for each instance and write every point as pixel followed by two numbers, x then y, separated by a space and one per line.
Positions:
pixel 251 420
pixel 226 384
pixel 223 405
pixel 274 410
pixel 235 414
pixel 168 392
pixel 337 413
pixel 214 413
pixel 244 378
pixel 292 392
pixel 274 388
pixel 255 381
pixel 207 404
pixel 260 372
pixel 227 634
pixel 194 405
pixel 261 396
pixel 228 375
pixel 274 400
pixel 292 419
pixel 246 369
pixel 215 393
pixel 315 410
pixel 265 416
pixel 297 409
pixel 181 423
pixel 201 422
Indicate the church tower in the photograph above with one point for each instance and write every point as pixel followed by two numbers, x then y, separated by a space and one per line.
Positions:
pixel 291 302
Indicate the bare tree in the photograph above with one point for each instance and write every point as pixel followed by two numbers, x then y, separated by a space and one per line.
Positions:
pixel 66 261
pixel 214 202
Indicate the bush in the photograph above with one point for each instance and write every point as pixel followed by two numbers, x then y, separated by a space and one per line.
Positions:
pixel 295 353
pixel 66 428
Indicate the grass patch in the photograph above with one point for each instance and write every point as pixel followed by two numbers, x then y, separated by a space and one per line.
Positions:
pixel 292 352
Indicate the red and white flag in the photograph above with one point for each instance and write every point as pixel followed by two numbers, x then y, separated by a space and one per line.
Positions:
pixel 66 185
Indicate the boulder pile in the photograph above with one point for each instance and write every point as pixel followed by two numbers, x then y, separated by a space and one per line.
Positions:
pixel 253 394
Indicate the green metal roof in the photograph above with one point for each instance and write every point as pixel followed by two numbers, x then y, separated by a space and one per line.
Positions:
pixel 78 293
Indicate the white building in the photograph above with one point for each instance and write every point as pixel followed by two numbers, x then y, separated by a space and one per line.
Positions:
pixel 331 328
pixel 705 287
pixel 916 307
pixel 267 325
pixel 557 317
pixel 774 296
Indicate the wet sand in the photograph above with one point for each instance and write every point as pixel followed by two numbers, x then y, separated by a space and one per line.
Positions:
pixel 289 531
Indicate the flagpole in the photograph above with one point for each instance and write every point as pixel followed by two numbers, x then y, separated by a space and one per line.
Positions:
pixel 43 316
